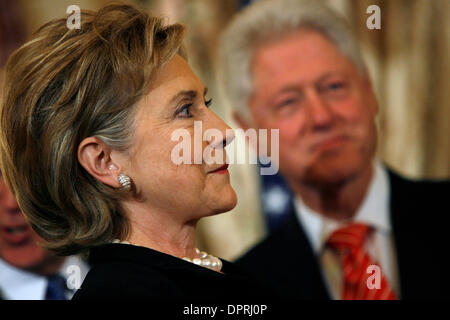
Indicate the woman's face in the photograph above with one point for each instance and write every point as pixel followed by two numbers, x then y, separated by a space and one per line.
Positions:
pixel 187 191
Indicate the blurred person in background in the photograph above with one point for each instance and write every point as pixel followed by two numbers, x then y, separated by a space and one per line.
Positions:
pixel 87 118
pixel 356 230
pixel 28 271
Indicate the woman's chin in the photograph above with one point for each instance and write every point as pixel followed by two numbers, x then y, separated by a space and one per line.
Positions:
pixel 226 201
pixel 232 200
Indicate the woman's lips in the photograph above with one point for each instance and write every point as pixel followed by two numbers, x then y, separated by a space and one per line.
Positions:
pixel 221 170
pixel 15 235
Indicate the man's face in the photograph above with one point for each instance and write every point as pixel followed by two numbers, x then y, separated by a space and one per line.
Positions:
pixel 18 242
pixel 325 110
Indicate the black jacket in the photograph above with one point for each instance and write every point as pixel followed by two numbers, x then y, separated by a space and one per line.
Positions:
pixel 420 219
pixel 121 271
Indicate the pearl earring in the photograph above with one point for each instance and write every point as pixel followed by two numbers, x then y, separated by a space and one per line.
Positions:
pixel 125 181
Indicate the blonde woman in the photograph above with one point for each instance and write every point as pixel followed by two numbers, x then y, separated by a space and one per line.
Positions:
pixel 86 121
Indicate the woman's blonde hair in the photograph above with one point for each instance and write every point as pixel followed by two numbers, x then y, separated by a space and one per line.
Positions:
pixel 61 87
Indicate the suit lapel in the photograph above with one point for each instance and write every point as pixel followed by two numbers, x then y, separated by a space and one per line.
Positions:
pixel 417 269
pixel 400 237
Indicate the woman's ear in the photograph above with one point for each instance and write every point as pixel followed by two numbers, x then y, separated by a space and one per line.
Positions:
pixel 95 156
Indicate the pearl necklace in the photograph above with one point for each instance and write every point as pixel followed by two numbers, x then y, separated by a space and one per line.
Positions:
pixel 206 260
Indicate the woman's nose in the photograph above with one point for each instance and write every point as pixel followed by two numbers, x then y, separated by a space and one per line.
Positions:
pixel 227 139
pixel 227 134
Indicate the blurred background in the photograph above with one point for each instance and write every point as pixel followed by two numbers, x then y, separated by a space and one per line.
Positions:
pixel 408 60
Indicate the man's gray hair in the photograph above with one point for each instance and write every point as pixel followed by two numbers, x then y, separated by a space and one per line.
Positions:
pixel 266 20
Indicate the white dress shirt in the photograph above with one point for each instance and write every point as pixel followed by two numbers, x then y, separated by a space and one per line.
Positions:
pixel 375 212
pixel 17 284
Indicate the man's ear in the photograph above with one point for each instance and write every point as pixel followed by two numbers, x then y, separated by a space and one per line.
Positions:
pixel 95 156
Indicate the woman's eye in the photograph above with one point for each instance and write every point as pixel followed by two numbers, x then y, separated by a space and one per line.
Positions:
pixel 184 111
pixel 208 103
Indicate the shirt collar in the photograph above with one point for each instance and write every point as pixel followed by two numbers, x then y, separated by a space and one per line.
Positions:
pixel 374 211
pixel 17 284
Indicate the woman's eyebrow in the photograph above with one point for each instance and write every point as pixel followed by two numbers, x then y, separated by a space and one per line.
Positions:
pixel 184 94
pixel 191 94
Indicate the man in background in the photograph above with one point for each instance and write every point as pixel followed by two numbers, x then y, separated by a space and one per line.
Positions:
pixel 27 271
pixel 356 230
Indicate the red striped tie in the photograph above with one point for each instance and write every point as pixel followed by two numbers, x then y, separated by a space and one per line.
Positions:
pixel 355 261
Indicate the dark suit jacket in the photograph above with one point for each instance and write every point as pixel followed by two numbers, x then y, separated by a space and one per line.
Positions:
pixel 420 219
pixel 121 271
